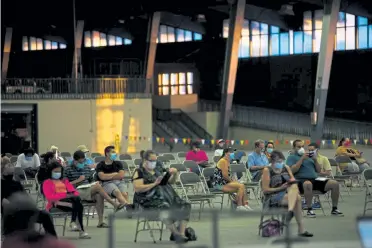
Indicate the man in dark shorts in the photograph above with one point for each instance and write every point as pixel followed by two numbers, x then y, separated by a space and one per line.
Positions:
pixel 305 170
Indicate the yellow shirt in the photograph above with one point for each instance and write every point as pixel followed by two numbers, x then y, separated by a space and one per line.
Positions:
pixel 223 161
pixel 323 162
pixel 342 150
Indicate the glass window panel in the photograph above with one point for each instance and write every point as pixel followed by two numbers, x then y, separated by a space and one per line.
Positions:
pixel 274 29
pixel 370 36
pixel 25 43
pixel 165 90
pixel 188 35
pixel 174 90
pixel 173 79
pixel 181 78
pixel 291 42
pixel 163 34
pixel 182 89
pixel 180 35
pixel 362 37
pixel 198 36
pixel 350 38
pixel 340 39
pixel 190 89
pixel 274 44
pixel 244 47
pixel 298 47
pixel 157 40
pixel 190 77
pixel 118 41
pixel 255 28
pixel 318 19
pixel 127 41
pixel 225 29
pixel 316 40
pixel 341 19
pixel 171 35
pixel 264 28
pixel 350 20
pixel 308 40
pixel 255 46
pixel 160 91
pixel 102 39
pixel 159 80
pixel 245 30
pixel 62 46
pixel 362 21
pixel 47 45
pixel 54 45
pixel 284 44
pixel 87 39
pixel 264 45
pixel 308 22
pixel 111 40
pixel 39 44
pixel 165 79
pixel 96 41
pixel 32 43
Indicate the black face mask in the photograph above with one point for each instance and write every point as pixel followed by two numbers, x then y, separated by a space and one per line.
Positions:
pixel 8 177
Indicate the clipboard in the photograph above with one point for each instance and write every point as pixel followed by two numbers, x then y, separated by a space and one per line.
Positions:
pixel 165 179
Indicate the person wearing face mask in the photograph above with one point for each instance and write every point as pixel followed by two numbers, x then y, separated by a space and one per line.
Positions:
pixel 57 157
pixel 61 194
pixel 111 174
pixel 269 148
pixel 88 160
pixel 29 161
pixel 257 160
pixel 358 162
pixel 280 190
pixel 197 155
pixel 306 169
pixel 219 148
pixel 150 195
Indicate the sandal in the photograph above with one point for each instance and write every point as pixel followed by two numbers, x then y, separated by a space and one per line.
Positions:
pixel 305 234
pixel 119 207
pixel 103 225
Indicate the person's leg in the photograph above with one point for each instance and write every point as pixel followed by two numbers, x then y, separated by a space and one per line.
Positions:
pixel 297 211
pixel 122 188
pixel 46 220
pixel 111 189
pixel 98 189
pixel 235 187
pixel 363 166
pixel 100 207
pixel 353 167
pixel 334 187
pixel 186 208
pixel 308 194
pixel 291 197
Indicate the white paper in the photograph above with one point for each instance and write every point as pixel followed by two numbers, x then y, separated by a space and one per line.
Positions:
pixel 321 179
pixel 84 186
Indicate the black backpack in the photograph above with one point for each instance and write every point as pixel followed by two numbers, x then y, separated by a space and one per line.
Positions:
pixel 190 234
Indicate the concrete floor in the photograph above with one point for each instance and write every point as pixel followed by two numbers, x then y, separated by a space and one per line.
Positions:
pixel 235 232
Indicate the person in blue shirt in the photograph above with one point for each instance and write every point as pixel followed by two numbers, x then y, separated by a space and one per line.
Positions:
pixel 257 160
pixel 306 169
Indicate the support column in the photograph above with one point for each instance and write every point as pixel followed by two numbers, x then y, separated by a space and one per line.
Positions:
pixel 77 70
pixel 237 9
pixel 152 35
pixel 327 44
pixel 6 54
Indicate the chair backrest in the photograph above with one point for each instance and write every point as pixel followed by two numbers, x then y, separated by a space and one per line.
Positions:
pixel 189 178
pixel 332 162
pixel 130 163
pixel 19 174
pixel 137 161
pixel 8 154
pixel 208 172
pixel 125 165
pixel 99 159
pixel 216 159
pixel 125 157
pixel 343 159
pixel 65 154
pixel 179 167
pixel 238 168
pixel 192 166
pixel 367 174
pixel 13 159
pixel 96 154
pixel 163 159
pixel 181 154
pixel 241 152
pixel 169 156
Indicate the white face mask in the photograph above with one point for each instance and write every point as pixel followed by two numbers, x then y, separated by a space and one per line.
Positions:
pixel 301 151
pixel 151 165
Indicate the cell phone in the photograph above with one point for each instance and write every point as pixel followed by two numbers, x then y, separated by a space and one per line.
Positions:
pixel 292 182
pixel 165 179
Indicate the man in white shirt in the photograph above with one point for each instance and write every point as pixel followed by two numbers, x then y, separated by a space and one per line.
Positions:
pixel 29 161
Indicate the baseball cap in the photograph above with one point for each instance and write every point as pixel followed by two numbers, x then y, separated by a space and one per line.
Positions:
pixel 220 141
pixel 83 148
pixel 78 155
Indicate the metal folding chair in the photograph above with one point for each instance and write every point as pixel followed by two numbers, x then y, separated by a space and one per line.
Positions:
pixel 125 157
pixel 367 178
pixel 206 175
pixel 192 166
pixel 99 159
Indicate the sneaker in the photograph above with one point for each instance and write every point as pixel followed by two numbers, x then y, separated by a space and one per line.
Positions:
pixel 74 227
pixel 241 208
pixel 316 205
pixel 311 214
pixel 337 212
pixel 84 235
pixel 248 208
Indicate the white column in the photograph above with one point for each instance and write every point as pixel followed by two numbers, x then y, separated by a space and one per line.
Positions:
pixel 6 53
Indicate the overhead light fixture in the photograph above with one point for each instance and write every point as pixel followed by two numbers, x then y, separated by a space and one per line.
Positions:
pixel 286 9
pixel 121 21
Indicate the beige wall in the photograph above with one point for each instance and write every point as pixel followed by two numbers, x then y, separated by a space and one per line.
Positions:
pixel 95 123
pixel 187 103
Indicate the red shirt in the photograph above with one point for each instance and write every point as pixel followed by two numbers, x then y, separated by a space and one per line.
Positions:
pixel 198 157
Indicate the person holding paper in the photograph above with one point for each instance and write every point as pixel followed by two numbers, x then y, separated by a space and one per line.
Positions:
pixel 306 169
pixel 79 175
pixel 257 160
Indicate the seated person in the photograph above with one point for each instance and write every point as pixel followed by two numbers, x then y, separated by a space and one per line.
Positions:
pixel 21 215
pixel 9 187
pixel 279 191
pixel 57 155
pixel 88 160
pixel 358 162
pixel 42 173
pixel 222 181
pixel 29 161
pixel 257 160
pixel 62 195
pixel 219 148
pixel 150 195
pixel 197 155
pixel 79 175
pixel 325 166
pixel 306 171
pixel 111 175
pixel 5 163
pixel 269 148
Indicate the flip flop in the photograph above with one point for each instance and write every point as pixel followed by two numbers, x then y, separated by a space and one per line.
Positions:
pixel 119 207
pixel 103 225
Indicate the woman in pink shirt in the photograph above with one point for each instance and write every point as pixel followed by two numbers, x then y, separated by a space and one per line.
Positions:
pixel 197 155
pixel 61 194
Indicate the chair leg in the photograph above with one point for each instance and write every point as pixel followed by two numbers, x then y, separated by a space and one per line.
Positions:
pixel 321 205
pixel 64 226
pixel 151 232
pixel 161 231
pixel 137 226
pixel 261 221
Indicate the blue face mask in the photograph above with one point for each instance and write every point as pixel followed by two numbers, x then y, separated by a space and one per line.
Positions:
pixel 269 150
pixel 113 156
pixel 28 158
pixel 279 165
pixel 80 165
pixel 56 175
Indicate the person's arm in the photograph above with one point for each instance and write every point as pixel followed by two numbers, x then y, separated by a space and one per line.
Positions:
pixel 120 175
pixel 70 188
pixel 318 168
pixel 189 156
pixel 265 180
pixel 223 165
pixel 104 176
pixel 343 151
pixel 327 169
pixel 138 184
pixel 173 177
pixel 291 177
pixel 37 160
pixel 293 164
pixel 20 158
pixel 79 180
pixel 50 193
pixel 67 174
pixel 251 164
pixel 203 156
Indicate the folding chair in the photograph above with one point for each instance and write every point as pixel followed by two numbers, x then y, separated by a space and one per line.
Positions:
pixel 179 167
pixel 170 157
pixel 367 178
pixel 58 214
pixel 9 155
pixel 207 174
pixel 88 206
pixel 343 159
pixel 192 166
pixel 96 154
pixel 99 159
pixel 181 156
pixel 137 161
pixel 13 159
pixel 148 218
pixel 20 176
pixel 200 195
pixel 127 178
pixel 125 157
pixel 39 195
pixel 65 154
pixel 216 159
pixel 165 161
pixel 341 179
pixel 131 166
